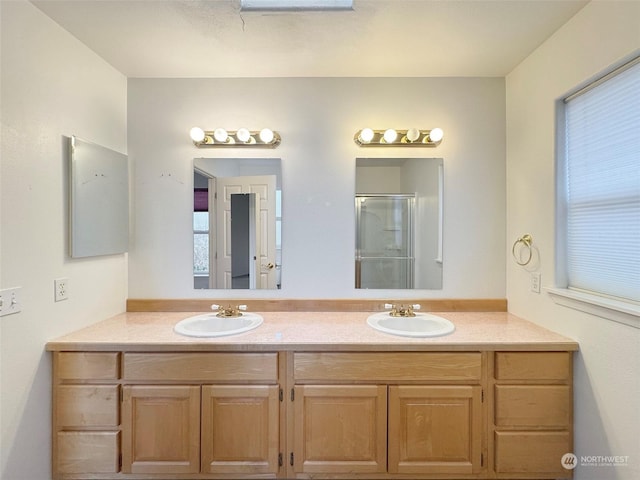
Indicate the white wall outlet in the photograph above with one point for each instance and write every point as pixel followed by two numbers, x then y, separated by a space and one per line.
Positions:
pixel 10 301
pixel 61 286
pixel 535 282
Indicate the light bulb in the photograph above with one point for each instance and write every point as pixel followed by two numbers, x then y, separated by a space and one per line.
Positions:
pixel 366 135
pixel 266 135
pixel 436 135
pixel 221 135
pixel 243 135
pixel 196 134
pixel 390 135
pixel 413 134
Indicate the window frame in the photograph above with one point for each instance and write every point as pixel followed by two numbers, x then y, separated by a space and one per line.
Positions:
pixel 611 308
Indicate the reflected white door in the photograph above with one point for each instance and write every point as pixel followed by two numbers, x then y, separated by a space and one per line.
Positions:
pixel 264 187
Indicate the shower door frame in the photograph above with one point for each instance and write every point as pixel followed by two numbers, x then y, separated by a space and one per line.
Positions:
pixel 410 234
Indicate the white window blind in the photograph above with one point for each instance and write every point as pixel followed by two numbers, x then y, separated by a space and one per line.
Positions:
pixel 602 191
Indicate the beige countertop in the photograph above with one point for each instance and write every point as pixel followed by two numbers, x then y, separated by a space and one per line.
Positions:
pixel 311 331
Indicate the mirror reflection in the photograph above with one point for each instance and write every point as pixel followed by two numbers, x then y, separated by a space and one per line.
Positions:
pixel 237 223
pixel 399 223
pixel 99 200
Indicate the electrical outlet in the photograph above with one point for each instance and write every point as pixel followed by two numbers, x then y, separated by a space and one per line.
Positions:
pixel 61 286
pixel 535 282
pixel 10 301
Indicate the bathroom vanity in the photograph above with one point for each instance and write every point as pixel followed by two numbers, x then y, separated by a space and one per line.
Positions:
pixel 312 395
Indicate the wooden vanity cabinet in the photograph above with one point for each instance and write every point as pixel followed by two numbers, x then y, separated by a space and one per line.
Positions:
pixel 225 421
pixel 220 415
pixel 160 415
pixel 86 413
pixel 532 414
pixel 388 413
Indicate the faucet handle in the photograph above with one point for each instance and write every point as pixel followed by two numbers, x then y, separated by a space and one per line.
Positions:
pixel 215 306
pixel 242 307
pixel 388 306
pixel 416 306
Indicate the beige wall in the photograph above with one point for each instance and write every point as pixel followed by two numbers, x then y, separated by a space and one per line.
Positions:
pixel 317 118
pixel 607 372
pixel 52 87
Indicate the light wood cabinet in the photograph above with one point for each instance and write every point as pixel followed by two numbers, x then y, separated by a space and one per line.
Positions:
pixel 340 429
pixel 161 429
pixel 167 414
pixel 86 413
pixel 416 413
pixel 435 429
pixel 532 422
pixel 304 414
pixel 240 429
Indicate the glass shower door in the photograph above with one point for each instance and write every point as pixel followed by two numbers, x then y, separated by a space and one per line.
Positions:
pixel 384 241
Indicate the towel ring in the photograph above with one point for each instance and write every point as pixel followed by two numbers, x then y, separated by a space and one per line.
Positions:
pixel 524 241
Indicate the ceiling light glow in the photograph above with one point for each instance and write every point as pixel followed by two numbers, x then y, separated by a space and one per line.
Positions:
pixel 262 5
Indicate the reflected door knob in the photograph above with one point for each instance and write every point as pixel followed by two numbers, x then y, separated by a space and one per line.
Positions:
pixel 270 265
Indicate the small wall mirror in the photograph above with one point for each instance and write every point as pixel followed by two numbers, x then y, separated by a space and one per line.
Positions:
pixel 399 223
pixel 237 223
pixel 99 200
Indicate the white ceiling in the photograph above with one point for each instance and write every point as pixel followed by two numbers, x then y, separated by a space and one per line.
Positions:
pixel 386 38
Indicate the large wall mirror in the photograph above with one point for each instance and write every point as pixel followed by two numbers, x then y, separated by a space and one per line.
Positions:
pixel 237 223
pixel 399 212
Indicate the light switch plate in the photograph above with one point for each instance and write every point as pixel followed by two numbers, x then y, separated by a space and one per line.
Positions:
pixel 10 301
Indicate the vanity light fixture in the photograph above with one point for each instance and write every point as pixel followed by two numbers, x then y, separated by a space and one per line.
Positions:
pixel 413 137
pixel 265 138
pixel 390 135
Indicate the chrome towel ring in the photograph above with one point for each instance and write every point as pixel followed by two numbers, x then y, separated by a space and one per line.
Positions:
pixel 524 242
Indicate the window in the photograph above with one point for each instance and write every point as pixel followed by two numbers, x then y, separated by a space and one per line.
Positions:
pixel 599 189
pixel 201 243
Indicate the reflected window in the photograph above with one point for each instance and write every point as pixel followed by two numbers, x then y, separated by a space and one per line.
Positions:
pixel 201 244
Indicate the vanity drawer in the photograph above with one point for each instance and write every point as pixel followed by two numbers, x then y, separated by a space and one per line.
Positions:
pixel 388 367
pixel 88 452
pixel 87 365
pixel 201 367
pixel 87 405
pixel 532 452
pixel 549 366
pixel 544 406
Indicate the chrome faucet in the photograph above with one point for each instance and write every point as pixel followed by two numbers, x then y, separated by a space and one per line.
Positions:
pixel 228 311
pixel 402 310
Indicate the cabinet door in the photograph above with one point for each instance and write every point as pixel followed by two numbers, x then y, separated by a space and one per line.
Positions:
pixel 435 429
pixel 161 429
pixel 340 429
pixel 240 429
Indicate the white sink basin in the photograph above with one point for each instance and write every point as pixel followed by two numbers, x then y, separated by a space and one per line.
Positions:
pixel 422 325
pixel 210 325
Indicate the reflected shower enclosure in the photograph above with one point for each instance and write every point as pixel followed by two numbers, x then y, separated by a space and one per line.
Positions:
pixel 384 241
pixel 398 224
